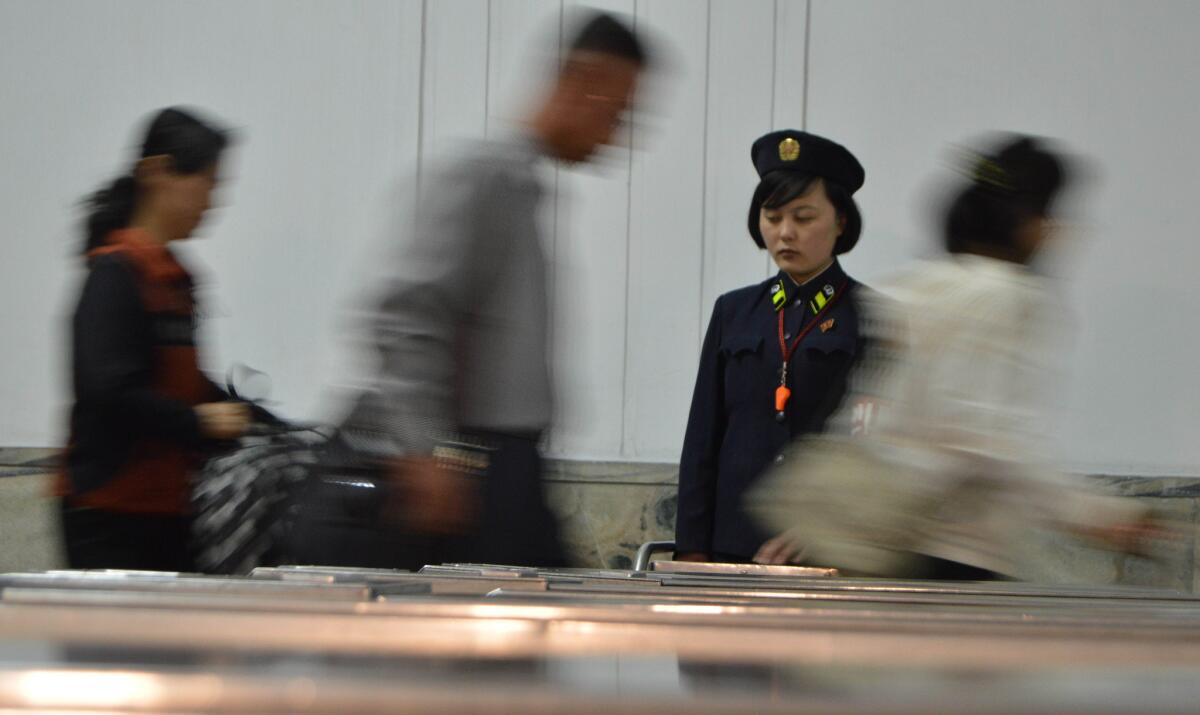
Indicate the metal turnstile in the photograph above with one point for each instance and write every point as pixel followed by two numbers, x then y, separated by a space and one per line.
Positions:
pixel 484 638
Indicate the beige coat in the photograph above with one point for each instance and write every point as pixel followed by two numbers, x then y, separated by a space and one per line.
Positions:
pixel 940 447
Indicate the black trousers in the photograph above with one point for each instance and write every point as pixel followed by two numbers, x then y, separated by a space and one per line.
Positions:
pixel 101 539
pixel 926 567
pixel 723 558
pixel 515 526
pixel 935 569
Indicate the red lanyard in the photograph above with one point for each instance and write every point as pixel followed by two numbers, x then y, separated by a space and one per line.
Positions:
pixel 782 393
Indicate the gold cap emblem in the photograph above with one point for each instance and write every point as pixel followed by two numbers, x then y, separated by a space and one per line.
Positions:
pixel 789 149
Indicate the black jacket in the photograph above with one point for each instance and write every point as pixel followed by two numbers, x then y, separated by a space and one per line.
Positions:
pixel 733 432
pixel 134 434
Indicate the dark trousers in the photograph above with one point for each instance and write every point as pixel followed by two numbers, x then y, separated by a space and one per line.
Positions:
pixel 515 526
pixel 101 539
pixel 935 569
pixel 723 558
pixel 926 567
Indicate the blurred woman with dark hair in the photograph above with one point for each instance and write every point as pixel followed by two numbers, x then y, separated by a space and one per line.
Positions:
pixel 776 355
pixel 1004 211
pixel 142 409
pixel 950 479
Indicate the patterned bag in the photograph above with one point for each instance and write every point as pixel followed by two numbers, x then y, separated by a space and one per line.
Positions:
pixel 243 499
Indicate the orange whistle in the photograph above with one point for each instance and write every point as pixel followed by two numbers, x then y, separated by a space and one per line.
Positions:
pixel 782 393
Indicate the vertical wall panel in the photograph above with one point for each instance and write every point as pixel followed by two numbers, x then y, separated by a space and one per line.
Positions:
pixel 666 237
pixel 590 258
pixel 524 43
pixel 740 89
pixel 523 47
pixel 324 98
pixel 1112 80
pixel 790 37
pixel 455 84
pixel 790 70
pixel 330 110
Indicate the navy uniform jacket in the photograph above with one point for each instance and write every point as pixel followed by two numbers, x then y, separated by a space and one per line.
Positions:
pixel 732 433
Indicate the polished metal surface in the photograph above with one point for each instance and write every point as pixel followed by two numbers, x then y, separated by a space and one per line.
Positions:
pixel 676 593
pixel 598 685
pixel 384 582
pixel 180 583
pixel 641 561
pixel 733 581
pixel 693 567
pixel 484 638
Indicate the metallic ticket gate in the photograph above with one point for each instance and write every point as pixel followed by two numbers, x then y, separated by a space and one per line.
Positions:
pixel 707 577
pixel 489 639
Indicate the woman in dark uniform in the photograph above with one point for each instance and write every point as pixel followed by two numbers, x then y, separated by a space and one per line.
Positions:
pixel 777 354
pixel 142 410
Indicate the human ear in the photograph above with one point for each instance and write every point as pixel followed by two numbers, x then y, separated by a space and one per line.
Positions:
pixel 152 169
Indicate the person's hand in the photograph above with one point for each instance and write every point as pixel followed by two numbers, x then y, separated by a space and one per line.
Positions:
pixel 781 550
pixel 223 420
pixel 697 556
pixel 433 499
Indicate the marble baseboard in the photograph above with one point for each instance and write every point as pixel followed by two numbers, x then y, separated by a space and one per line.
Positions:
pixel 603 524
pixel 1056 557
pixel 633 473
pixel 609 509
pixel 17 460
pixel 29 528
pixel 1163 487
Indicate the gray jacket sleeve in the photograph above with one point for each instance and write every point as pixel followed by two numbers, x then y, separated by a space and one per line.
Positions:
pixel 411 401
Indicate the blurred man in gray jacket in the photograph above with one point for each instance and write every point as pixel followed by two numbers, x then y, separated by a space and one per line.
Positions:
pixel 462 391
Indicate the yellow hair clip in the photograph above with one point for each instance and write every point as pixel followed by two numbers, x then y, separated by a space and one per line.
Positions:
pixel 982 169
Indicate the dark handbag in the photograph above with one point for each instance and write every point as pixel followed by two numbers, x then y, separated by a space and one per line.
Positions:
pixel 340 516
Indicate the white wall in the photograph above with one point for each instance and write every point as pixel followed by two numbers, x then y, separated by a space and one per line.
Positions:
pixel 324 96
pixel 899 80
pixel 338 100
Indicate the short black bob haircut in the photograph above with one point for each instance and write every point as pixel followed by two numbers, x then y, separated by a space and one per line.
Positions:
pixel 778 188
pixel 1018 180
pixel 604 33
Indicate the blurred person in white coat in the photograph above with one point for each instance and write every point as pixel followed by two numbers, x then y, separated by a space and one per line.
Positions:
pixel 946 473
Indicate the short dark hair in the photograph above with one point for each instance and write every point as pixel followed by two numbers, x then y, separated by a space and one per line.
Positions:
pixel 1019 179
pixel 604 33
pixel 778 188
pixel 192 144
